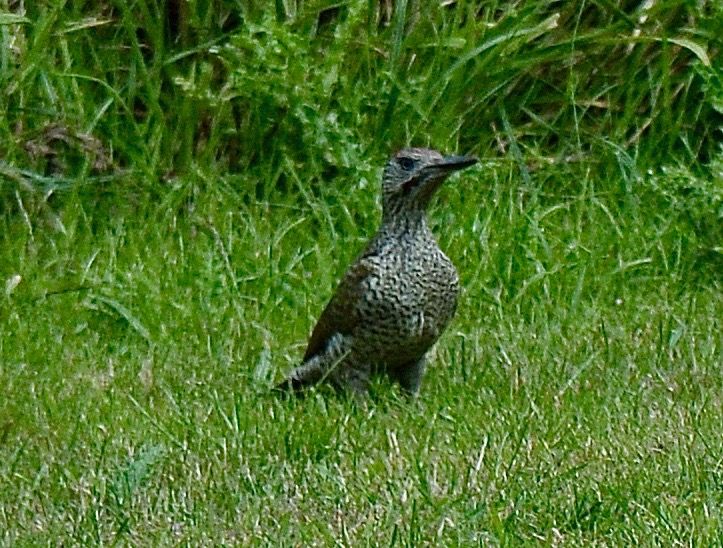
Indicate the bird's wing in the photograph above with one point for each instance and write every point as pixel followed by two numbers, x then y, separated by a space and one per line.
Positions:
pixel 341 315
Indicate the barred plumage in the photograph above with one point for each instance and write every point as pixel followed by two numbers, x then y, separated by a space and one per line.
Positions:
pixel 398 297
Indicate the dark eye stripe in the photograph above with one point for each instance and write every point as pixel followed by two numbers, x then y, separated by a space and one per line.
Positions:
pixel 407 164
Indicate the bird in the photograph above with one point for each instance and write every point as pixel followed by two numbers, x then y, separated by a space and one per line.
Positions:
pixel 397 298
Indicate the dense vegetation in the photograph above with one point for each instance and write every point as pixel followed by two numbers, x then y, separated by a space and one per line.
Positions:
pixel 182 183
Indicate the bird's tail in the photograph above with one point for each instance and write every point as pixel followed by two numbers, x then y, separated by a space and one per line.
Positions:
pixel 317 368
pixel 290 385
pixel 301 378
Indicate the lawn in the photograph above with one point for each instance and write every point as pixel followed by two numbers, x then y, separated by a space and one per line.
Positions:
pixel 183 185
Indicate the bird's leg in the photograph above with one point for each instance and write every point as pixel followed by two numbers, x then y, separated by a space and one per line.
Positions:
pixel 409 376
pixel 355 378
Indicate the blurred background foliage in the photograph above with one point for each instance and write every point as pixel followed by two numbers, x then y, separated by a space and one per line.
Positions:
pixel 97 87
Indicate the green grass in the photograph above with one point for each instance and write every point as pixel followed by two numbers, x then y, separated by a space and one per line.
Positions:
pixel 177 204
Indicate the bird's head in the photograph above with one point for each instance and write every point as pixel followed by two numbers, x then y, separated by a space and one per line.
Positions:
pixel 412 176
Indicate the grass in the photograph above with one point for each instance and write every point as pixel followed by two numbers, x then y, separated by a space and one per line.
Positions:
pixel 167 242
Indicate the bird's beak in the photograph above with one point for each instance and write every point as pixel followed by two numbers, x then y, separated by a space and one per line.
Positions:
pixel 433 175
pixel 453 163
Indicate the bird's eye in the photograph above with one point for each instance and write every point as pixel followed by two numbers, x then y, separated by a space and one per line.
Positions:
pixel 407 164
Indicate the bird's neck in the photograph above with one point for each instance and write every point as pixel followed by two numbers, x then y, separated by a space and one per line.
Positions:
pixel 409 223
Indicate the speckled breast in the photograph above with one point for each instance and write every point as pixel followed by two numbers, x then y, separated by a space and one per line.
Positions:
pixel 408 305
